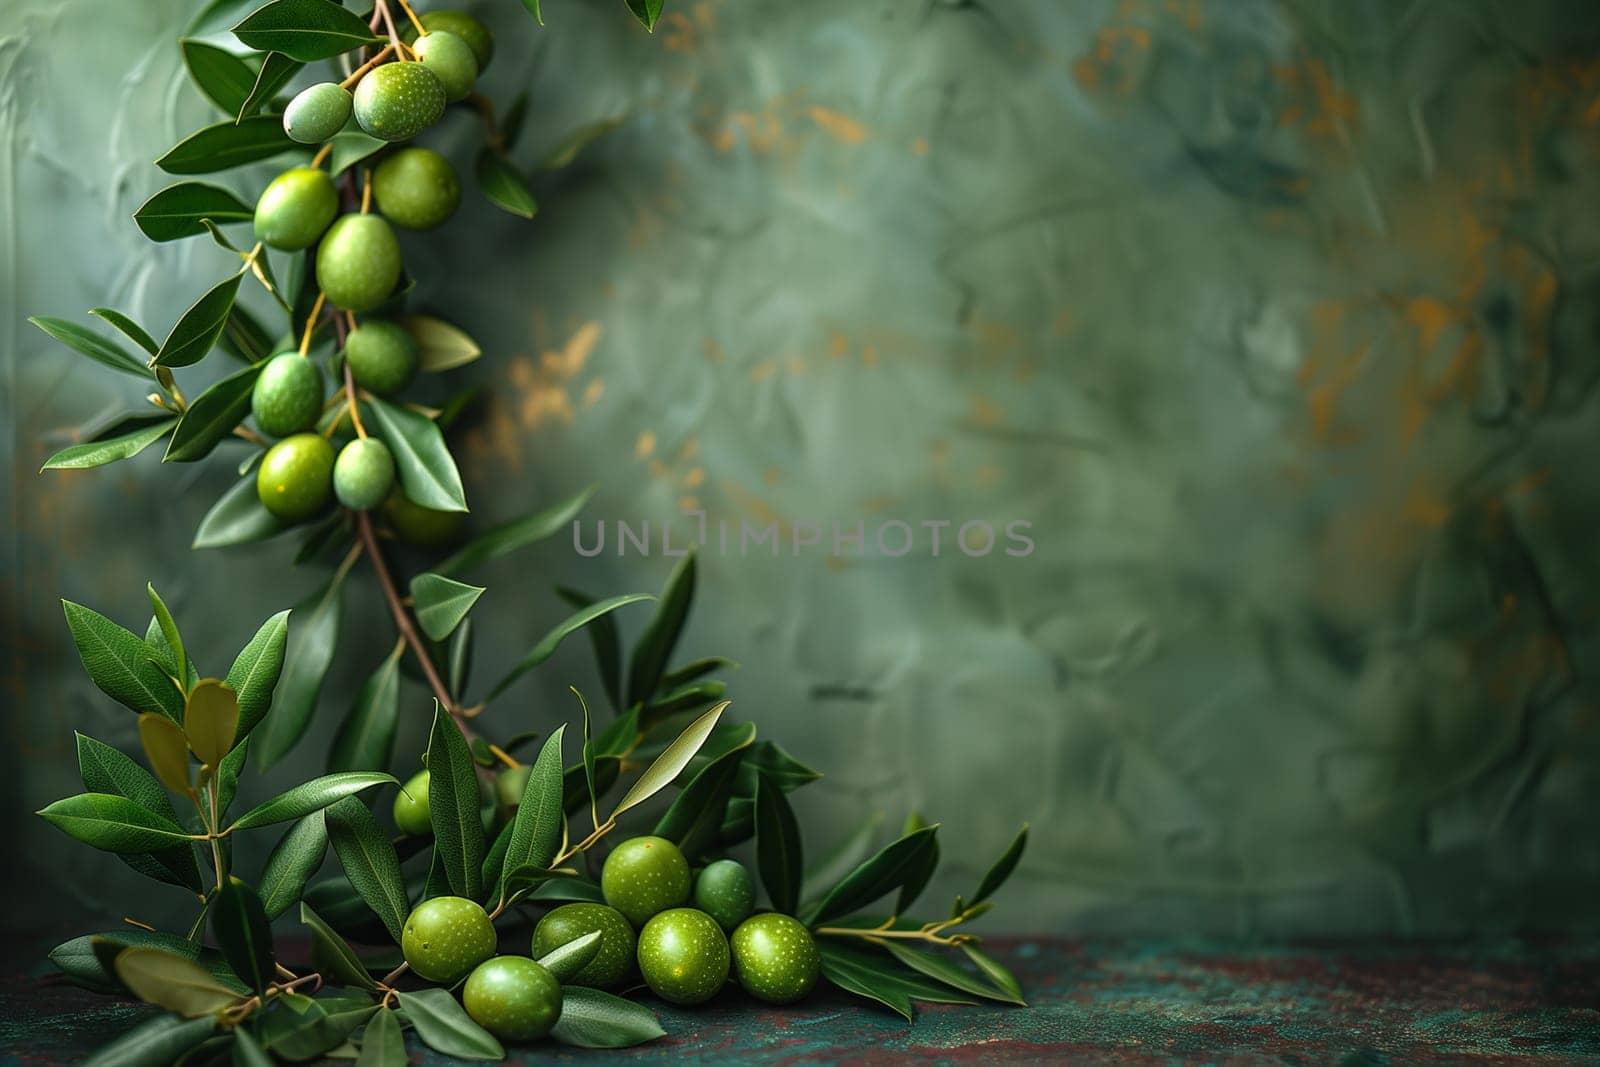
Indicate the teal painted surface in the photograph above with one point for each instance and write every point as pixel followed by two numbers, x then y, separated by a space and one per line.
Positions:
pixel 1276 321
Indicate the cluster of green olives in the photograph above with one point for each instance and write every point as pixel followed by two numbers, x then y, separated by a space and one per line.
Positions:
pixel 684 934
pixel 358 266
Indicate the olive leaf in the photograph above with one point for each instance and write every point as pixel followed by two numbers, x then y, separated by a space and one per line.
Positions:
pixel 313 636
pixel 693 671
pixel 568 889
pixel 237 518
pixel 239 923
pixel 670 763
pixel 996 875
pixel 106 770
pixel 351 147
pixel 228 775
pixel 244 337
pixel 518 533
pixel 331 955
pixel 591 1018
pixel 942 970
pixel 646 11
pixel 779 855
pixel 453 800
pixel 306 30
pixel 177 211
pixel 104 352
pixel 442 603
pixel 382 1043
pixel 81 959
pixel 313 1028
pixel 212 417
pixel 547 645
pixel 127 327
pixel 540 822
pixel 694 820
pixel 227 144
pixel 369 862
pixel 502 185
pixel 117 662
pixel 607 645
pixel 365 740
pixel 876 977
pixel 460 659
pixel 223 77
pixel 292 862
pixel 655 645
pixel 567 960
pixel 255 671
pixel 442 346
pixel 533 9
pixel 159 1039
pixel 167 750
pixel 1002 978
pixel 195 334
pixel 444 1026
pixel 277 70
pixel 427 472
pixel 211 720
pixel 172 982
pixel 573 144
pixel 99 453
pixel 247 1051
pixel 884 872
pixel 310 796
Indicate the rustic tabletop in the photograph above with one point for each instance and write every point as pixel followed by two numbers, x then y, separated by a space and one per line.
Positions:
pixel 1126 1001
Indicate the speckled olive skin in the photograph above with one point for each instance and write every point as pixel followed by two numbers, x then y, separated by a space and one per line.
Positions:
pixel 358 262
pixel 397 101
pixel 412 813
pixel 295 208
pixel 645 875
pixel 295 478
pixel 446 937
pixel 466 27
pixel 287 397
pixel 775 958
pixel 683 956
pixel 451 61
pixel 422 526
pixel 317 112
pixel 513 998
pixel 363 474
pixel 416 188
pixel 383 357
pixel 569 922
pixel 726 892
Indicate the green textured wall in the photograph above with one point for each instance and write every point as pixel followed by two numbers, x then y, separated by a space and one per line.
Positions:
pixel 1276 320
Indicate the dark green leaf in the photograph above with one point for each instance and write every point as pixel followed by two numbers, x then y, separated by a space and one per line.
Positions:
pixel 195 334
pixel 365 740
pixel 655 645
pixel 573 144
pixel 255 671
pixel 646 11
pixel 99 453
pixel 879 978
pixel 443 346
pixel 330 954
pixel 306 30
pixel 689 697
pixel 883 873
pixel 370 862
pixel 536 832
pixel 79 960
pixel 228 775
pixel 117 662
pixel 316 1029
pixel 670 763
pixel 212 416
pixel 223 77
pixel 313 636
pixel 445 1027
pixel 607 646
pixel 157 1042
pixel 427 472
pixel 547 645
pixel 171 981
pixel 227 144
pixel 127 327
pixel 918 877
pixel 310 796
pixel 441 603
pixel 503 186
pixel 695 817
pixel 104 352
pixel 567 960
pixel 997 874
pixel 351 147
pixel 942 970
pixel 594 1019
pixel 694 670
pixel 494 861
pixel 294 859
pixel 106 770
pixel 588 760
pixel 1003 979
pixel 239 923
pixel 618 739
pixel 846 855
pixel 247 1051
pixel 568 890
pixel 382 1044
pixel 460 659
pixel 177 211
pixel 533 9
pixel 778 850
pixel 453 800
pixel 237 518
pixel 516 534
pixel 244 336
pixel 575 783
pixel 276 72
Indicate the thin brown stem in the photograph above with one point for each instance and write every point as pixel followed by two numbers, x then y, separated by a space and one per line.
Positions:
pixel 322 155
pixel 361 71
pixel 350 400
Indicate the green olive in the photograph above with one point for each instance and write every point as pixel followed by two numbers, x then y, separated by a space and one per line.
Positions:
pixel 295 478
pixel 446 937
pixel 726 892
pixel 645 875
pixel 508 787
pixel 383 357
pixel 416 188
pixel 412 814
pixel 397 101
pixel 775 958
pixel 358 262
pixel 513 998
pixel 451 61
pixel 422 526
pixel 466 27
pixel 571 921
pixel 683 956
pixel 317 112
pixel 363 474
pixel 287 396
pixel 295 208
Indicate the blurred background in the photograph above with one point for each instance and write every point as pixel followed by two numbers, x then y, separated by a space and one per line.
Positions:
pixel 1276 322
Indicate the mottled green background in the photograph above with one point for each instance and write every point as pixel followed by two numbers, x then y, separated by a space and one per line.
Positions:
pixel 1276 320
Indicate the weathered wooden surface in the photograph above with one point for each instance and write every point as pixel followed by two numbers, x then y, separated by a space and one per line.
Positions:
pixel 1153 1002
